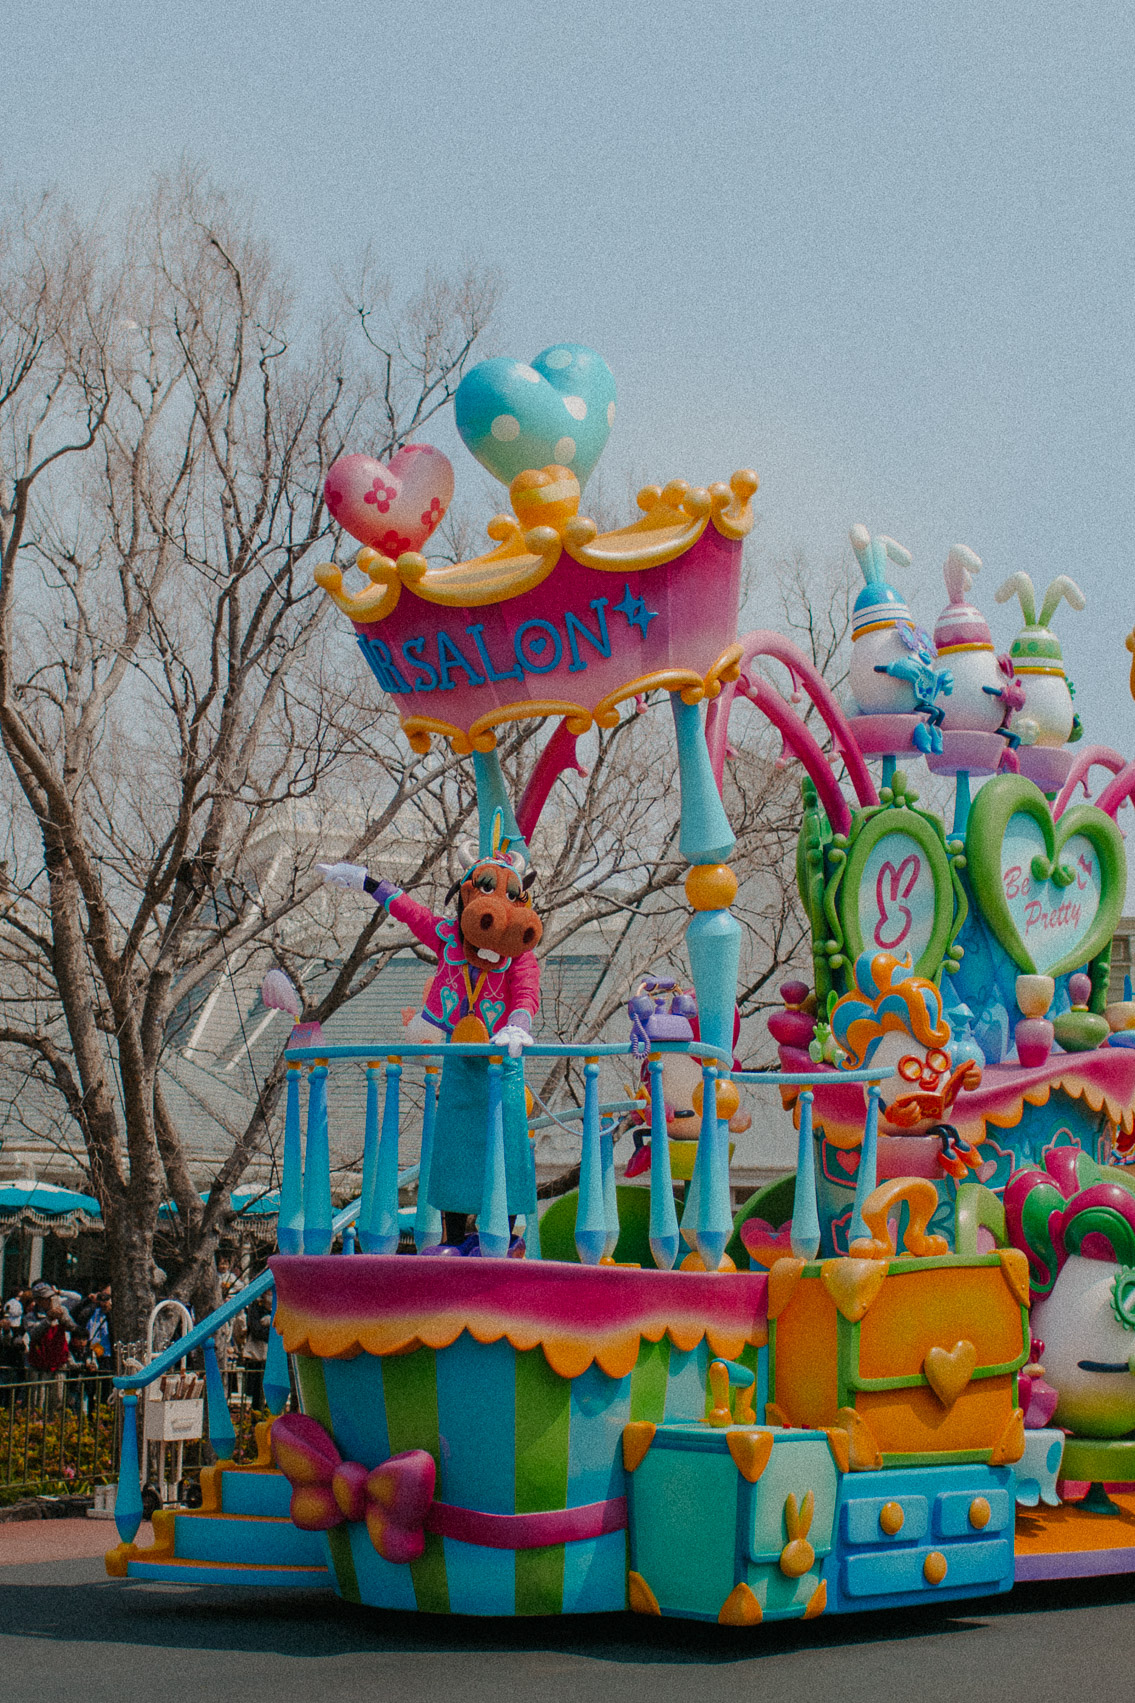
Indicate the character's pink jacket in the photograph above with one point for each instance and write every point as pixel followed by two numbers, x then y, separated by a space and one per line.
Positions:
pixel 512 986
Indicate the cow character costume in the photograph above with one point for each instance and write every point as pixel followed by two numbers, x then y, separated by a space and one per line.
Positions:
pixel 487 983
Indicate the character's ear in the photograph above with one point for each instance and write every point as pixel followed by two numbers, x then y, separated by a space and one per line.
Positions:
pixel 528 880
pixel 453 892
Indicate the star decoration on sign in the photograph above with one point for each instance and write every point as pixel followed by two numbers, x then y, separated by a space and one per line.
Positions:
pixel 635 610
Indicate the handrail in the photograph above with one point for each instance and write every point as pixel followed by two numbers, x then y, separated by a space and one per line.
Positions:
pixel 809 1078
pixel 378 1050
pixel 571 1113
pixel 229 1309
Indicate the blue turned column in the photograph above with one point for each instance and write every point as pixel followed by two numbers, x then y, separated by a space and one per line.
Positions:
pixel 378 1221
pixel 492 795
pixel 492 1220
pixel 713 942
pixel 427 1218
pixel 289 1221
pixel 317 1167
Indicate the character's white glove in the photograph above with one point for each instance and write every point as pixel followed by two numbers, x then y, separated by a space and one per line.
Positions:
pixel 514 1037
pixel 351 875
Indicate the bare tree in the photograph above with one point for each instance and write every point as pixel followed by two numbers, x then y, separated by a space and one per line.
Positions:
pixel 167 676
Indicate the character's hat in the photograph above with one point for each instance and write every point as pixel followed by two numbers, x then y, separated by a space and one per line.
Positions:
pixel 878 604
pixel 1036 650
pixel 960 626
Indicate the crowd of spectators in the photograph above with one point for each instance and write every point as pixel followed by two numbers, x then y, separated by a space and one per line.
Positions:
pixel 50 1333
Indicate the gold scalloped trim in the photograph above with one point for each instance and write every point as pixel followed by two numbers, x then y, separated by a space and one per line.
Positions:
pixel 674 518
pixel 480 735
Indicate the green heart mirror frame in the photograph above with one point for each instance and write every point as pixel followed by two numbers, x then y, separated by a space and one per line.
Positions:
pixel 999 800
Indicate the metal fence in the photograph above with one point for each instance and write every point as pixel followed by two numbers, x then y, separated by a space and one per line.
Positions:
pixel 58 1433
pixel 61 1434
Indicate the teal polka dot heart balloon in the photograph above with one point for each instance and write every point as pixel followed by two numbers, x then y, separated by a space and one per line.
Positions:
pixel 559 411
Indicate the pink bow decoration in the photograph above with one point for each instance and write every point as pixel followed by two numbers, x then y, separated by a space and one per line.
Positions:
pixel 393 1499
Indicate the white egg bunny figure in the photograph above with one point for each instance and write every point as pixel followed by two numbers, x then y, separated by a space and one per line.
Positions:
pixel 876 630
pixel 963 640
pixel 1038 660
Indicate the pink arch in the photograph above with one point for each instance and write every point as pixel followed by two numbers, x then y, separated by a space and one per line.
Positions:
pixel 1090 757
pixel 1118 791
pixel 790 726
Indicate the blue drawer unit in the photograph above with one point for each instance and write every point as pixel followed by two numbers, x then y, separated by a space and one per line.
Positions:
pixel 730 1524
pixel 905 1535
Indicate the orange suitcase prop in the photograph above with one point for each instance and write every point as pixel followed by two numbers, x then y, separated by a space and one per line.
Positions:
pixel 915 1355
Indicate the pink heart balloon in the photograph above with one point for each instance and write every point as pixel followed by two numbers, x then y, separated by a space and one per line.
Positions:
pixel 392 506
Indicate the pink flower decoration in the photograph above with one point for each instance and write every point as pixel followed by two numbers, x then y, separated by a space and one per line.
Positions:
pixel 381 496
pixel 393 544
pixel 334 500
pixel 433 514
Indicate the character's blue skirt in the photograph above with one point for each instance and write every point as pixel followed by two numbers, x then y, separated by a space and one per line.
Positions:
pixel 457 1171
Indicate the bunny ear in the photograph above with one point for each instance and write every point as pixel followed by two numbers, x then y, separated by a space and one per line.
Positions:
pixel 961 565
pixel 1021 586
pixel 896 553
pixel 1060 587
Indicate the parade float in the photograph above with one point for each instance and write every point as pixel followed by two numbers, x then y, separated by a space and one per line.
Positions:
pixel 903 1372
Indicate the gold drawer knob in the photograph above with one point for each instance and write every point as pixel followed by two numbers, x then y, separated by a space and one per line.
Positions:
pixel 980 1513
pixel 934 1567
pixel 891 1518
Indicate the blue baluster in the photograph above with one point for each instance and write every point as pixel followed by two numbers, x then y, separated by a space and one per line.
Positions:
pixel 378 1233
pixel 805 1215
pixel 610 1194
pixel 349 1239
pixel 492 1220
pixel 277 1384
pixel 866 1181
pixel 289 1221
pixel 317 1168
pixel 705 835
pixel 427 1218
pixel 128 1499
pixel 492 795
pixel 713 1225
pixel 220 1423
pixel 663 1215
pixel 370 1147
pixel 590 1217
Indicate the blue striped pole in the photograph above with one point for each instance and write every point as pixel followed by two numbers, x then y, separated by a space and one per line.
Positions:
pixel 663 1215
pixel 317 1168
pixel 427 1218
pixel 289 1221
pixel 590 1217
pixel 492 1220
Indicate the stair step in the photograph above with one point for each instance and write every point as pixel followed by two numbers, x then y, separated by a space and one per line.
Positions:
pixel 248 1491
pixel 254 1540
pixel 181 1572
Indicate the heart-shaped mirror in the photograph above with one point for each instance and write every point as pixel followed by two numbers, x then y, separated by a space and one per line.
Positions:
pixel 1050 891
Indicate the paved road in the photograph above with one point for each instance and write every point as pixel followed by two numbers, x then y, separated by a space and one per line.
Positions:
pixel 69 1633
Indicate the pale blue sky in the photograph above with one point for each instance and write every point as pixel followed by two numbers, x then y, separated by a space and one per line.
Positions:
pixel 884 253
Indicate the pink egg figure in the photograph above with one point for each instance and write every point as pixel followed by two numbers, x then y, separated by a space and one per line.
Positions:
pixel 963 641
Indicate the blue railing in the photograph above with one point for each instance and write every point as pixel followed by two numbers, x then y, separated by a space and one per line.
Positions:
pixel 308 1225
